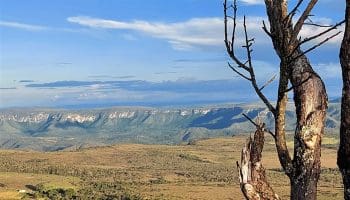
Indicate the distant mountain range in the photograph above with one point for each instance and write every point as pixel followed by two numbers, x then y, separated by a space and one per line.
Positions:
pixel 51 130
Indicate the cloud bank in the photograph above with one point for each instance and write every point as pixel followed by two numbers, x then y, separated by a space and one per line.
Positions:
pixel 197 32
pixel 136 92
pixel 23 26
pixel 180 35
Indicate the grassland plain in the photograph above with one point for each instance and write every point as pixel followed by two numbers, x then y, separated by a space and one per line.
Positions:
pixel 204 169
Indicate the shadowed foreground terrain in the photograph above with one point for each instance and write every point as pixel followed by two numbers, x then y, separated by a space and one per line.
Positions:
pixel 204 169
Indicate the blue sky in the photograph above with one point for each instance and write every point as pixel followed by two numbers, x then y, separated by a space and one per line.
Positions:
pixel 132 52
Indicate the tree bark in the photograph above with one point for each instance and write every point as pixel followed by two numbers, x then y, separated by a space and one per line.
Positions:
pixel 310 101
pixel 344 146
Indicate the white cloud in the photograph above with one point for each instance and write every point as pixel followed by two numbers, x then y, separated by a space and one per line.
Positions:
pixel 198 32
pixel 328 70
pixel 253 2
pixel 309 30
pixel 180 35
pixel 28 27
pixel 184 35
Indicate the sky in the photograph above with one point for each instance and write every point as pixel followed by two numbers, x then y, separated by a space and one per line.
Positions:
pixel 87 53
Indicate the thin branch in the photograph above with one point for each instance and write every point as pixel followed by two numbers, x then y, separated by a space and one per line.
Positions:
pixel 248 43
pixel 268 82
pixel 317 25
pixel 271 108
pixel 239 73
pixel 293 12
pixel 228 48
pixel 247 66
pixel 316 45
pixel 230 44
pixel 308 39
pixel 265 29
pixel 259 126
pixel 302 19
pixel 250 119
pixel 234 6
pixel 295 86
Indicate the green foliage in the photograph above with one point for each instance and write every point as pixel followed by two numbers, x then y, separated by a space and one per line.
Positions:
pixel 90 190
pixel 107 191
pixel 41 191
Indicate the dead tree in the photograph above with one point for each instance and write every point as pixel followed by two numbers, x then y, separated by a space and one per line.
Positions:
pixel 344 146
pixel 252 177
pixel 310 96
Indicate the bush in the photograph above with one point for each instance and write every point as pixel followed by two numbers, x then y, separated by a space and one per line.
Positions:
pixel 53 193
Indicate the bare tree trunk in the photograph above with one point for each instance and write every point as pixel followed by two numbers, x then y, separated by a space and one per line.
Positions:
pixel 310 101
pixel 252 175
pixel 280 122
pixel 344 147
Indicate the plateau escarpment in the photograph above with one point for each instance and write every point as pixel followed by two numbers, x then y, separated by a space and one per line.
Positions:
pixel 49 130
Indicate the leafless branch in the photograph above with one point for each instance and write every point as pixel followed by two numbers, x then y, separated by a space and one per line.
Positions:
pixel 295 86
pixel 265 29
pixel 332 27
pixel 248 44
pixel 248 118
pixel 293 12
pixel 302 19
pixel 316 45
pixel 248 65
pixel 260 126
pixel 234 6
pixel 238 72
pixel 230 43
pixel 308 39
pixel 317 25
pixel 321 33
pixel 268 82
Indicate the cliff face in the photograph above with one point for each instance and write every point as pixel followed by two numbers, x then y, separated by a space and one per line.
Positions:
pixel 49 130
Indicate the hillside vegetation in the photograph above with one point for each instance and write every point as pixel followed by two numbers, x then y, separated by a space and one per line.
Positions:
pixel 203 169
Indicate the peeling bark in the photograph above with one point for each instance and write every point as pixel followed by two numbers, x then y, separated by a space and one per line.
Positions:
pixel 310 101
pixel 344 146
pixel 252 175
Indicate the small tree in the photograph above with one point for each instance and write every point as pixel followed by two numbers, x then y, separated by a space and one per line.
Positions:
pixel 310 96
pixel 344 147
